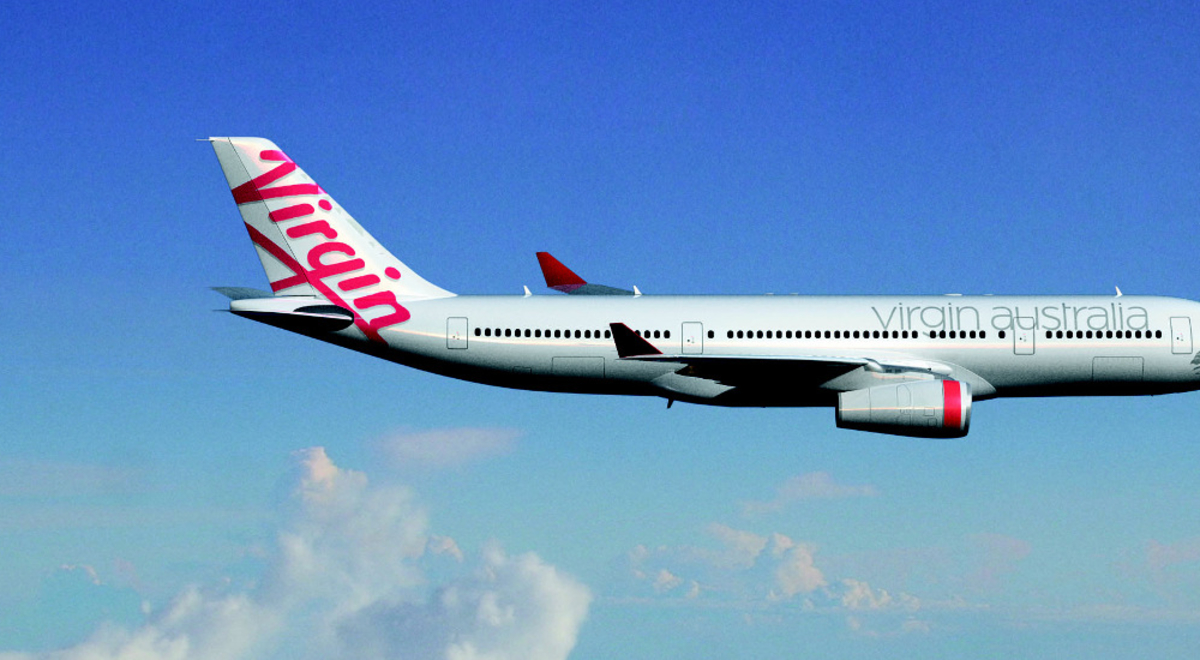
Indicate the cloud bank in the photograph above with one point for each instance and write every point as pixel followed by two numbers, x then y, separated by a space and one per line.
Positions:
pixel 345 580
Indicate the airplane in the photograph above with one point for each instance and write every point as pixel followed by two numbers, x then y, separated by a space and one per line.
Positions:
pixel 901 365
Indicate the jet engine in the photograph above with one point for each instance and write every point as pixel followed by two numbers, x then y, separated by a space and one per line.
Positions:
pixel 925 409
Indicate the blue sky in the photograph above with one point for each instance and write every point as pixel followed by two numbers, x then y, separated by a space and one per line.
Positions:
pixel 182 483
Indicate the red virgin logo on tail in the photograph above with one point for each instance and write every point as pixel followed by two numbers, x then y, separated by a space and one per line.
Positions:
pixel 329 258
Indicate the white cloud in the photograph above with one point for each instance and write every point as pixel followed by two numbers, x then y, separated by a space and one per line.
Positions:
pixel 517 608
pixel 345 581
pixel 444 545
pixel 809 486
pixel 741 547
pixel 772 573
pixel 666 581
pixel 858 595
pixel 87 570
pixel 797 572
pixel 445 448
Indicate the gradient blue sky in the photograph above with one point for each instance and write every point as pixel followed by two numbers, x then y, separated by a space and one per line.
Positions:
pixel 160 486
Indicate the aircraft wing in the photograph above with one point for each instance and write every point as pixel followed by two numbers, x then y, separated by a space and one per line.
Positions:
pixel 561 278
pixel 708 376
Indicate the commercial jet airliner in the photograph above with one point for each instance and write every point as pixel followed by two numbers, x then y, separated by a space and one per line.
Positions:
pixel 905 365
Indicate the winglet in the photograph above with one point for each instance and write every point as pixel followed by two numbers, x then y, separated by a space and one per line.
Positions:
pixel 561 278
pixel 558 276
pixel 630 343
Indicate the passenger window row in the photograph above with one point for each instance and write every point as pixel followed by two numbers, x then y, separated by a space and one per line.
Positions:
pixel 1104 334
pixel 817 334
pixel 544 334
pixel 853 334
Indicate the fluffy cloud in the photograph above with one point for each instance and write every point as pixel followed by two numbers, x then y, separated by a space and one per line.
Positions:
pixel 859 595
pixel 512 607
pixel 757 570
pixel 444 448
pixel 345 581
pixel 796 572
pixel 809 486
pixel 741 548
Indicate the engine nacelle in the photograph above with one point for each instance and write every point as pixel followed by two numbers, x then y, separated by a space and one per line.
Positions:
pixel 926 409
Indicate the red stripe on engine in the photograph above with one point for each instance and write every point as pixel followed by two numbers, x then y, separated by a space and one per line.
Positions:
pixel 952 402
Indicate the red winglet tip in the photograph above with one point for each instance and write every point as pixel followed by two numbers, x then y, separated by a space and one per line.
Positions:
pixel 557 275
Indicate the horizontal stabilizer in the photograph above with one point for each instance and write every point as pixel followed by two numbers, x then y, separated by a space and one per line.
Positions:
pixel 241 292
pixel 561 278
pixel 303 314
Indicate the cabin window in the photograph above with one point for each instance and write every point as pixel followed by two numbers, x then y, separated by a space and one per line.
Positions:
pixel 478 332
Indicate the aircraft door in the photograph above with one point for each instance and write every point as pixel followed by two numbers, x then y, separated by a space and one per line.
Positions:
pixel 1023 341
pixel 456 332
pixel 1181 334
pixel 693 338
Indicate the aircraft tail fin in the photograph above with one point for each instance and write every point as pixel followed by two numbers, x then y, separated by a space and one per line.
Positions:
pixel 302 223
pixel 308 244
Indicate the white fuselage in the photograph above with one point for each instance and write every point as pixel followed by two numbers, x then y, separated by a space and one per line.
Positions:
pixel 1001 345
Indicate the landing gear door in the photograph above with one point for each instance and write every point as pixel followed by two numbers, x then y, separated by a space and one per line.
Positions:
pixel 456 332
pixel 1181 334
pixel 693 338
